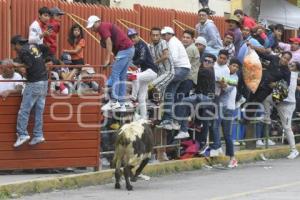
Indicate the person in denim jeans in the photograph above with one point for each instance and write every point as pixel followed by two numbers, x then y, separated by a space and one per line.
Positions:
pixel 116 43
pixel 204 92
pixel 225 118
pixel 182 66
pixel 34 95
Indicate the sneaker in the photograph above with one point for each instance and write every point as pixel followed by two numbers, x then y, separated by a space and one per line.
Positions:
pixel 182 135
pixel 271 143
pixel 165 125
pixel 36 140
pixel 216 152
pixel 236 143
pixel 233 163
pixel 105 162
pixel 294 154
pixel 203 149
pixel 176 126
pixel 122 108
pixel 260 143
pixel 153 159
pixel 21 140
pixel 106 107
pixel 131 103
pixel 115 105
pixel 164 157
pixel 144 177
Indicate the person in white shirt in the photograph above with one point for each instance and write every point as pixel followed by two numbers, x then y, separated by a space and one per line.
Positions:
pixel 226 111
pixel 221 70
pixel 180 60
pixel 286 109
pixel 39 28
pixel 8 73
pixel 222 73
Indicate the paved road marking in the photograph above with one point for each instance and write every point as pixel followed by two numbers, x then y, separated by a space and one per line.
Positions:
pixel 267 189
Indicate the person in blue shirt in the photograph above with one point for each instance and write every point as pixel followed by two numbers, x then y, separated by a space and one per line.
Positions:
pixel 249 40
pixel 274 36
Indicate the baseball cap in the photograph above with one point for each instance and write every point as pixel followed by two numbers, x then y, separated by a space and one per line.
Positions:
pixel 201 40
pixel 66 58
pixel 92 20
pixel 131 32
pixel 167 29
pixel 89 70
pixel 56 11
pixel 296 40
pixel 18 39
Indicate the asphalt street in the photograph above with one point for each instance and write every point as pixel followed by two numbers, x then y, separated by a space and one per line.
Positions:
pixel 272 179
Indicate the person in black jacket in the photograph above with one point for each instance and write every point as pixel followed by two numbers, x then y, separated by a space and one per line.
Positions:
pixel 277 70
pixel 204 94
pixel 147 72
pixel 32 57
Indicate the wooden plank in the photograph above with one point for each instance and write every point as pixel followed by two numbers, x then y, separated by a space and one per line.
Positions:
pixel 56 136
pixel 55 118
pixel 42 154
pixel 59 109
pixel 48 145
pixel 48 163
pixel 53 127
pixel 74 100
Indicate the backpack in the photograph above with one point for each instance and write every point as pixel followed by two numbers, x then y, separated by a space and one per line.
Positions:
pixel 280 91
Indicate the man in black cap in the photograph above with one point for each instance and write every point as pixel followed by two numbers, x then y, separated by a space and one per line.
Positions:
pixel 32 58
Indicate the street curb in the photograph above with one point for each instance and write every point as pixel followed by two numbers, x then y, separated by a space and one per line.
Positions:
pixel 96 178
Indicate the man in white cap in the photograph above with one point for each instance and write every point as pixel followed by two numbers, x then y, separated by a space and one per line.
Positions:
pixel 116 42
pixel 180 59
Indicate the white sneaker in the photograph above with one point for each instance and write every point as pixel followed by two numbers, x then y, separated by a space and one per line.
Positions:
pixel 213 153
pixel 21 140
pixel 122 108
pixel 165 157
pixel 260 143
pixel 106 107
pixel 144 177
pixel 165 125
pixel 105 162
pixel 294 154
pixel 182 135
pixel 36 140
pixel 175 126
pixel 271 143
pixel 216 152
pixel 236 143
pixel 115 105
pixel 220 151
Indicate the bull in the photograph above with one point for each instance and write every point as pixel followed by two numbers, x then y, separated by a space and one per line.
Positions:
pixel 133 148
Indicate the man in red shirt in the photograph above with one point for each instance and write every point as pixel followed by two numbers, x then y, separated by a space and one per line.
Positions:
pixel 245 20
pixel 54 25
pixel 116 43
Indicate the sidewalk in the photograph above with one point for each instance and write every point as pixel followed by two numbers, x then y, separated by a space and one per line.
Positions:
pixel 22 184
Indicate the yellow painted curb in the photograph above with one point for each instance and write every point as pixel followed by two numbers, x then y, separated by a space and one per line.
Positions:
pixel 96 178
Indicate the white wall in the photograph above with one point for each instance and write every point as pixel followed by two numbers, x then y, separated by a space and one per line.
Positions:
pixel 220 6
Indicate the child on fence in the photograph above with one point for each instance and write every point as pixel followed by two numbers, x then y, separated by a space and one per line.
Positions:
pixel 32 57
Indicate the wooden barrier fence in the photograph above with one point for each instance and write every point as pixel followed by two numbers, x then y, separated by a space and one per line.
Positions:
pixel 17 15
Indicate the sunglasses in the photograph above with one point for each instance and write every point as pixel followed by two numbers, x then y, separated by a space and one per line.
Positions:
pixel 208 61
